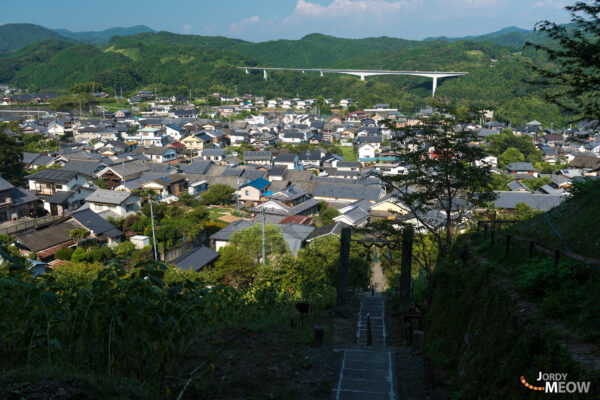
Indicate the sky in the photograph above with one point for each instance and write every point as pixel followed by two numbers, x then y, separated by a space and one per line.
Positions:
pixel 261 20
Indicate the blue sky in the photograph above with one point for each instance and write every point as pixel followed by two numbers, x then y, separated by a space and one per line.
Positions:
pixel 260 20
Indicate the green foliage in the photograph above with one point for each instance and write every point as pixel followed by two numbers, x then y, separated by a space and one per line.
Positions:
pixel 570 79
pixel 11 159
pixel 15 36
pixel 523 212
pixel 250 240
pixel 499 181
pixel 187 199
pixel 176 64
pixel 80 255
pixel 507 139
pixel 327 213
pixel 535 183
pixel 469 300
pixel 64 253
pixel 451 173
pixel 236 266
pixel 77 233
pixel 217 194
pixel 510 155
pixel 146 319
pixel 38 144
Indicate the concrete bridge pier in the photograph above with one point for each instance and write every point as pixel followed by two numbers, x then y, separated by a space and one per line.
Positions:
pixel 265 74
pixel 434 85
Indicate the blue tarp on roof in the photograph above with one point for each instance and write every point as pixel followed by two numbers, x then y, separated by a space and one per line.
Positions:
pixel 259 183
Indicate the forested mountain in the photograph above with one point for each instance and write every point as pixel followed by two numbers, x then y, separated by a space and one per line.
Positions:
pixel 15 36
pixel 184 63
pixel 104 36
pixel 511 36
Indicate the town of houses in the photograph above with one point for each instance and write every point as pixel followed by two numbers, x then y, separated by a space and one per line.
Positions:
pixel 170 150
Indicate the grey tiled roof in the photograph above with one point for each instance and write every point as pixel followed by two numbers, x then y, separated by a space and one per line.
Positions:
pixel 196 259
pixel 5 185
pixel 108 196
pixel 96 224
pixel 21 196
pixel 225 233
pixel 344 191
pixel 53 175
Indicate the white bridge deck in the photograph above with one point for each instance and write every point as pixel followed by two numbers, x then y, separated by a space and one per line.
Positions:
pixel 435 75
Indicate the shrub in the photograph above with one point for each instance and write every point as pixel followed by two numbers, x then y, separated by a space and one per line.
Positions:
pixel 64 253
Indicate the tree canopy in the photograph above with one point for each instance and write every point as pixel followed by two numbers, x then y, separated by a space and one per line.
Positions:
pixel 572 81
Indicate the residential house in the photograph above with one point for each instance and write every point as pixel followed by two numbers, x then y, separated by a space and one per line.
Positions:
pixel 99 229
pixel 289 160
pixel 116 174
pixel 347 166
pixel 222 238
pixel 310 158
pixel 508 200
pixel 347 193
pixel 258 157
pixel 238 137
pixel 216 155
pixel 196 141
pixel 354 214
pixel 253 191
pixel 164 154
pixel 62 202
pixel 175 131
pixel 49 181
pixel 168 185
pixel 196 259
pixel 277 173
pixel 15 202
pixel 111 203
pixel 522 170
pixel 366 151
pixel 46 242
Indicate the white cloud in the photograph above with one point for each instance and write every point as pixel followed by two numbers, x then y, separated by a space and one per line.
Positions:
pixel 238 28
pixel 187 29
pixel 550 4
pixel 352 8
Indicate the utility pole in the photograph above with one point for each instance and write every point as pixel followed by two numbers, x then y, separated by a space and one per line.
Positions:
pixel 153 233
pixel 264 250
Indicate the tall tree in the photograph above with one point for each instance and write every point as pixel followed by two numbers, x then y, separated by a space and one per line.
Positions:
pixel 573 80
pixel 444 171
pixel 11 159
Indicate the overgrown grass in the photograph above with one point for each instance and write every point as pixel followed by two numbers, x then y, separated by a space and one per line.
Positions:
pixel 567 291
pixel 575 220
pixel 348 153
pixel 479 336
pixel 137 326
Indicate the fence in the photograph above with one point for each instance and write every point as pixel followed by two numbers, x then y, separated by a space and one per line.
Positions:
pixel 24 225
pixel 533 247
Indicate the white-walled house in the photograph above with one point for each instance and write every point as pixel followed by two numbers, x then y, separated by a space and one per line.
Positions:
pixel 365 151
pixel 120 204
pixel 49 181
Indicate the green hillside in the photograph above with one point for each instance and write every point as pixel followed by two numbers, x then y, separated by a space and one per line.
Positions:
pixel 180 63
pixel 99 37
pixel 15 36
pixel 510 36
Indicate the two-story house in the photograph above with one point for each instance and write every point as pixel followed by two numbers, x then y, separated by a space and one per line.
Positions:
pixel 253 191
pixel 111 203
pixel 49 181
pixel 164 154
pixel 258 157
pixel 290 160
pixel 15 202
pixel 216 155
